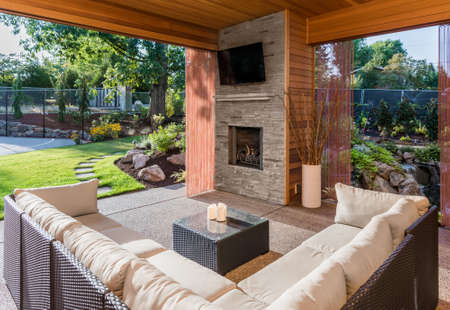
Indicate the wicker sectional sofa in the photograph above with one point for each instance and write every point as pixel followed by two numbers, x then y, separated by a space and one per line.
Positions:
pixel 60 253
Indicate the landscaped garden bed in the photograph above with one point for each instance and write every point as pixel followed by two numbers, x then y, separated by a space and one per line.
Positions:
pixel 159 158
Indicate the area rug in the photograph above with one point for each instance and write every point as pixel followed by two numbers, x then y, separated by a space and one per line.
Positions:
pixel 252 267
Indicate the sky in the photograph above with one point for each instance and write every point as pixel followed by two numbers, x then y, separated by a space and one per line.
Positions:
pixel 420 43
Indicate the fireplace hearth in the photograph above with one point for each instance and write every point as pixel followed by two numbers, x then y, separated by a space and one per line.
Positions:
pixel 245 146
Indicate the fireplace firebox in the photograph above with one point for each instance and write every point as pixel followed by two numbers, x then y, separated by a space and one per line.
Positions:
pixel 245 146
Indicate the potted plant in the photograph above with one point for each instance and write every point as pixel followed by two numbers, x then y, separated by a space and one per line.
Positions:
pixel 311 139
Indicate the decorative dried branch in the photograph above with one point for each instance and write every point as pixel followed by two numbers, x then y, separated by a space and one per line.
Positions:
pixel 319 118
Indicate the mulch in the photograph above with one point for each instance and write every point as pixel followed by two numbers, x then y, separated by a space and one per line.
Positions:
pixel 159 159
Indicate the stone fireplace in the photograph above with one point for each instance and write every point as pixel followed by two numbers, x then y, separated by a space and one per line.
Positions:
pixel 250 141
pixel 245 146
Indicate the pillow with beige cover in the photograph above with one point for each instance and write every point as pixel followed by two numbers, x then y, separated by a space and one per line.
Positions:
pixel 46 215
pixel 148 288
pixel 104 257
pixel 357 206
pixel 74 199
pixel 364 254
pixel 402 214
pixel 324 288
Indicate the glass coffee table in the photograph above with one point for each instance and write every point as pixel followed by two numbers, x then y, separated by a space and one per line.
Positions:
pixel 221 246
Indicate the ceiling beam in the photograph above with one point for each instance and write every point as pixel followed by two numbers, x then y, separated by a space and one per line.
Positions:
pixel 107 17
pixel 376 17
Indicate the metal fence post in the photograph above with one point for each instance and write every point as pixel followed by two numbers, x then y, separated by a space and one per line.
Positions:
pixel 6 113
pixel 43 116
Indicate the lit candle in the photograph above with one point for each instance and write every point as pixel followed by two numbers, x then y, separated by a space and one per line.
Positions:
pixel 212 212
pixel 221 212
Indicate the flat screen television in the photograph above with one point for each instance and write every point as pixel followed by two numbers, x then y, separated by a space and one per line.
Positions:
pixel 244 64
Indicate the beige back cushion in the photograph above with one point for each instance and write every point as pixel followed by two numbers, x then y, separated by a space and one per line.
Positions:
pixel 104 257
pixel 148 288
pixel 324 288
pixel 364 254
pixel 50 218
pixel 73 200
pixel 357 206
pixel 402 214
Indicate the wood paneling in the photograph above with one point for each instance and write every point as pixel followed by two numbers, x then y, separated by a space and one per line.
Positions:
pixel 106 17
pixel 299 84
pixel 200 133
pixel 376 17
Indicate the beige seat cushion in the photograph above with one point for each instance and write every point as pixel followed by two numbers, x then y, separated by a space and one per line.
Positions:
pixel 201 280
pixel 134 242
pixel 357 206
pixel 148 288
pixel 97 221
pixel 236 299
pixel 364 254
pixel 50 218
pixel 104 257
pixel 332 238
pixel 402 214
pixel 74 199
pixel 324 289
pixel 270 282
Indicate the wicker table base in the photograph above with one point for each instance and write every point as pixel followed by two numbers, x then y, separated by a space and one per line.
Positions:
pixel 221 246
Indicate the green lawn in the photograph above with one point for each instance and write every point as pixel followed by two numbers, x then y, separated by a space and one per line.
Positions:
pixel 56 167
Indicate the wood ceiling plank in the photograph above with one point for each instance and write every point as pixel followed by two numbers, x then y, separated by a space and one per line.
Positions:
pixel 105 17
pixel 376 17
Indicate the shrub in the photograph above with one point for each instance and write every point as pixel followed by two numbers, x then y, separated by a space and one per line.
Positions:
pixel 421 129
pixel 430 152
pixel 390 146
pixel 405 139
pixel 406 115
pixel 179 176
pixel 384 117
pixel 408 149
pixel 181 142
pixel 381 154
pixel 166 137
pixel 99 133
pixel 363 163
pixel 397 130
pixel 115 117
pixel 431 119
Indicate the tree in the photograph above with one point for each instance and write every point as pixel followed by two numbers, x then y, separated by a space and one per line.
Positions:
pixel 406 115
pixel 114 60
pixel 384 117
pixel 431 119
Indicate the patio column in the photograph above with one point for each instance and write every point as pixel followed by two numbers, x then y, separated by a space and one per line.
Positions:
pixel 444 120
pixel 200 134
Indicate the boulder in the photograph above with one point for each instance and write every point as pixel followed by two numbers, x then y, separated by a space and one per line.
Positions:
pixel 410 187
pixel 140 161
pixel 435 177
pixel 177 159
pixel 395 178
pixel 152 174
pixel 384 170
pixel 128 158
pixel 409 157
pixel 422 176
pixel 381 185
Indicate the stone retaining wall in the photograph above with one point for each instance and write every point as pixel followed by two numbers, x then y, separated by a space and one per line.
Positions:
pixel 17 129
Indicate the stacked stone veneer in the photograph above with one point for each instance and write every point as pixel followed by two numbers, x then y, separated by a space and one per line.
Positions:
pixel 17 129
pixel 269 183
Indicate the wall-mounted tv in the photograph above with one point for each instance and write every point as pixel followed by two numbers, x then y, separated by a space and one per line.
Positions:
pixel 244 64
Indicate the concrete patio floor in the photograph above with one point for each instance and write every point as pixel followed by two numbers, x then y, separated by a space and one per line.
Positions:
pixel 14 145
pixel 152 212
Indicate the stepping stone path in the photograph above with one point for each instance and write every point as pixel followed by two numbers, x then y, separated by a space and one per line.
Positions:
pixel 85 170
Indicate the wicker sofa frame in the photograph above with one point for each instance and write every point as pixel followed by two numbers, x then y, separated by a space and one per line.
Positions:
pixel 41 273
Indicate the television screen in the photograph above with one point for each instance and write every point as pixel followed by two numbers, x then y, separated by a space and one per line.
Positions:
pixel 244 64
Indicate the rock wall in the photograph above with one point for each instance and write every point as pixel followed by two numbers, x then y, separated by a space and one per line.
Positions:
pixel 17 129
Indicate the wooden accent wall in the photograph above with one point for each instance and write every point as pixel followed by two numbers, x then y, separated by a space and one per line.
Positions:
pixel 299 84
pixel 200 132
pixel 376 17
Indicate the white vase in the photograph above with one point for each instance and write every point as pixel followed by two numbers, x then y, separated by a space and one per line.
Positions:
pixel 311 186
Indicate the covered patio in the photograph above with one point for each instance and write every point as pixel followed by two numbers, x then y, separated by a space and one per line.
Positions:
pixel 289 31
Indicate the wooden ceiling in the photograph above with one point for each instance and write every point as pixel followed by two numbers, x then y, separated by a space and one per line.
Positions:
pixel 196 22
